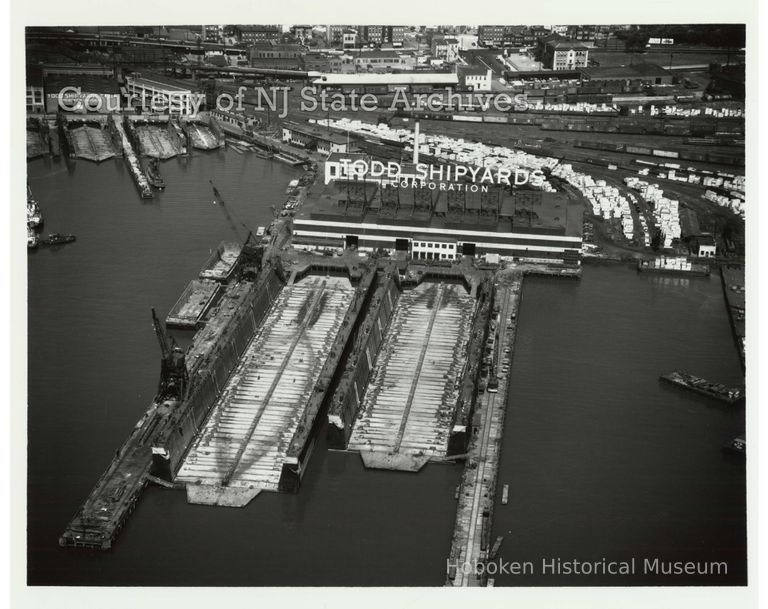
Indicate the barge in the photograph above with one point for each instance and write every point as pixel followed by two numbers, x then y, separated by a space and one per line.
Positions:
pixel 718 391
pixel 58 239
pixel 673 266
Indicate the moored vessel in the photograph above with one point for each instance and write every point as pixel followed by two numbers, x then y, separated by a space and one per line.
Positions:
pixel 672 266
pixel 681 378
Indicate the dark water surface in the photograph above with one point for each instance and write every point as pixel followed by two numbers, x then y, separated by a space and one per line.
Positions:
pixel 602 460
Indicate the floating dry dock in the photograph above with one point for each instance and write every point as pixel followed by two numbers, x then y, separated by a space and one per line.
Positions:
pixel 405 396
pixel 243 445
pixel 187 389
pixel 406 412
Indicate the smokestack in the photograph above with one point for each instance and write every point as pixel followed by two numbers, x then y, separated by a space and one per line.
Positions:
pixel 416 144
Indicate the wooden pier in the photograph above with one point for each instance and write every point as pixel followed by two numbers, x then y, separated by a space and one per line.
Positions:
pixel 472 530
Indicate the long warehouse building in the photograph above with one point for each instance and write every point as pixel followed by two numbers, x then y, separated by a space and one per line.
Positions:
pixel 437 220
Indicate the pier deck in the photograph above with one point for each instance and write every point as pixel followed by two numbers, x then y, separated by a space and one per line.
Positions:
pixel 407 408
pixel 104 513
pixel 242 446
pixel 193 303
pixel 142 183
pixel 474 513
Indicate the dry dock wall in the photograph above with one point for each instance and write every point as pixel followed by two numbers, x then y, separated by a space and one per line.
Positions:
pixel 302 444
pixel 209 378
pixel 461 427
pixel 365 343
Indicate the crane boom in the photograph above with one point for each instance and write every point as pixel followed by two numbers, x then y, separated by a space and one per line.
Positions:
pixel 162 337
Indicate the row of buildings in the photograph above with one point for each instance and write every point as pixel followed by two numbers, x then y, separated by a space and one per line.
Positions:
pixel 599 36
pixel 100 89
pixel 554 51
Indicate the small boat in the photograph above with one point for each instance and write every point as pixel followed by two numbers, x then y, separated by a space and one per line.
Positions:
pixel 58 239
pixel 505 495
pixel 32 240
pixel 291 186
pixel 34 215
pixel 737 446
pixel 496 547
pixel 153 175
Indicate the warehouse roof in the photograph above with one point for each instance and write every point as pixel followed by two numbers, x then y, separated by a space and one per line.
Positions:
pixel 408 78
pixel 638 70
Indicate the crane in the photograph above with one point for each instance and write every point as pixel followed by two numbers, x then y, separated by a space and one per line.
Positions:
pixel 173 366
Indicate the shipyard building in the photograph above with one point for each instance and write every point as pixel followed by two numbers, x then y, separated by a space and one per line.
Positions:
pixel 435 219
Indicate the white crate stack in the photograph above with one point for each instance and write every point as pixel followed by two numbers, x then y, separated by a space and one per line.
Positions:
pixel 607 201
pixel 666 212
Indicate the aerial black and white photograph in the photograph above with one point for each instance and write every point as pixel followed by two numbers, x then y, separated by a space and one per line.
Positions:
pixel 384 306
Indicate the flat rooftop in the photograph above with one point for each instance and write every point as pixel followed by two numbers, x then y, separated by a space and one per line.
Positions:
pixel 520 210
pixel 88 83
pixel 316 132
pixel 160 81
pixel 408 78
pixel 638 70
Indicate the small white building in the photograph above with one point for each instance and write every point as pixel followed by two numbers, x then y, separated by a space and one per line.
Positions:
pixel 706 247
pixel 423 249
pixel 476 78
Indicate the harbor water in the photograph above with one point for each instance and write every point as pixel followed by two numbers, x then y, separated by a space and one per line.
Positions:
pixel 601 459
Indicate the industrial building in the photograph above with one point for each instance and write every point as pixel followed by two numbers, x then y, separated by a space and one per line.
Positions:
pixel 387 82
pixel 436 220
pixel 161 94
pixel 311 137
pixel 559 53
pixel 85 92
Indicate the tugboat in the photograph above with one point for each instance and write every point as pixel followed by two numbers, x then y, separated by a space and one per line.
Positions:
pixel 153 175
pixel 58 239
pixel 34 215
pixel 32 240
pixel 737 446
